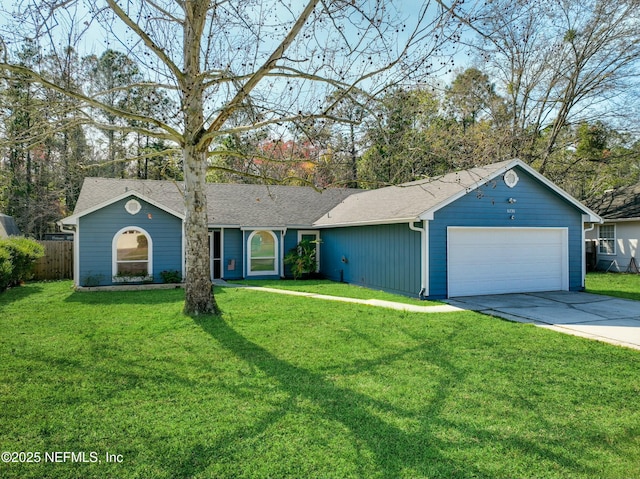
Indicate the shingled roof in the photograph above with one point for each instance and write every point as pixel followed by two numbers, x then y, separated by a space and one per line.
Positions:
pixel 619 204
pixel 240 205
pixel 419 199
pixel 404 202
pixel 228 204
pixel 8 226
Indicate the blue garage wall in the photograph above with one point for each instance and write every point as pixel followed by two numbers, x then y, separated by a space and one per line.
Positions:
pixel 97 229
pixel 385 257
pixel 536 206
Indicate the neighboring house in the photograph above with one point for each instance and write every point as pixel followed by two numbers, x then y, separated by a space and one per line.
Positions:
pixel 618 238
pixel 495 229
pixel 8 226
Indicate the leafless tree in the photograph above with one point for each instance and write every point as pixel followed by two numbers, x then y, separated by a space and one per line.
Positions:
pixel 237 65
pixel 558 63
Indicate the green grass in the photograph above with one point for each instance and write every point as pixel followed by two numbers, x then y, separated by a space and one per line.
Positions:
pixel 614 284
pixel 283 386
pixel 332 288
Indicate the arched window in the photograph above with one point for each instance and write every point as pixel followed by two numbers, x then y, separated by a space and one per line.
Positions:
pixel 263 253
pixel 132 253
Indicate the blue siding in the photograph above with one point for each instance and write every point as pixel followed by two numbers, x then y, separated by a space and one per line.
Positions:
pixel 97 229
pixel 232 253
pixel 536 206
pixel 385 257
pixel 290 240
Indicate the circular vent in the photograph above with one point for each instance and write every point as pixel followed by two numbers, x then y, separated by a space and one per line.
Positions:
pixel 133 207
pixel 511 178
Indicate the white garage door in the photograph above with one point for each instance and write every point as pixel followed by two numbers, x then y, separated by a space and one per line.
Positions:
pixel 506 260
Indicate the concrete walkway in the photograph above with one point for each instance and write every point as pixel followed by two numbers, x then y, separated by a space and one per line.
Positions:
pixel 594 316
pixel 412 308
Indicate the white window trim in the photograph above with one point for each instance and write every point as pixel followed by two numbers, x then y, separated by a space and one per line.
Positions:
pixel 276 259
pixel 316 233
pixel 614 239
pixel 114 255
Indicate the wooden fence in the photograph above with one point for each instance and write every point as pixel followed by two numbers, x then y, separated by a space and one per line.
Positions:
pixel 57 262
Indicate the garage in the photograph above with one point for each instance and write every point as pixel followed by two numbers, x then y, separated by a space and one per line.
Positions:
pixel 502 260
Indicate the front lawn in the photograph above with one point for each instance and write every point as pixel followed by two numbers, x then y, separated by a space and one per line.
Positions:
pixel 333 288
pixel 284 386
pixel 614 284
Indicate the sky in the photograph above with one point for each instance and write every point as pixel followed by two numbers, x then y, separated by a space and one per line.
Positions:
pixel 95 37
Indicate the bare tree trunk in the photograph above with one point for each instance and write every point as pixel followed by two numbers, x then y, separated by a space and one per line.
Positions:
pixel 198 288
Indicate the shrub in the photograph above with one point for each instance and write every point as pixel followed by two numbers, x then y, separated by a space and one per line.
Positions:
pixel 92 280
pixel 302 258
pixel 171 276
pixel 6 268
pixel 17 256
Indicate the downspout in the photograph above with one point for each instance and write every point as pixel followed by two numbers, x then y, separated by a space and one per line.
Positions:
pixel 424 271
pixel 76 250
pixel 64 229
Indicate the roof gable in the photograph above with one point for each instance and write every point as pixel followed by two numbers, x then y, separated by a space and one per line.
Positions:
pixel 89 201
pixel 419 200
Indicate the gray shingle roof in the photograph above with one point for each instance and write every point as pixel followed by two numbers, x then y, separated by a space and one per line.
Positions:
pixel 622 203
pixel 228 204
pixel 408 201
pixel 242 205
pixel 8 226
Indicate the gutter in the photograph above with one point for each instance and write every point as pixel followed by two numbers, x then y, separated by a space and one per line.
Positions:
pixel 424 258
pixel 73 229
pixel 389 221
pixel 65 229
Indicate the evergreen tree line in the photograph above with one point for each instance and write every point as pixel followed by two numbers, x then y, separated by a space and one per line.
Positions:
pixel 49 145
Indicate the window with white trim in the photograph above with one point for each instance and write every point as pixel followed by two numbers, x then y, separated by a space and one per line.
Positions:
pixel 263 253
pixel 607 239
pixel 132 253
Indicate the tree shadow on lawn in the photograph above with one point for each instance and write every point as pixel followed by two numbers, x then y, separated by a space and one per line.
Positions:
pixel 395 452
pixel 20 292
pixel 148 297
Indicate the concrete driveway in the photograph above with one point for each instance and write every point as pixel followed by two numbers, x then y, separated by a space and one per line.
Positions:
pixel 604 318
